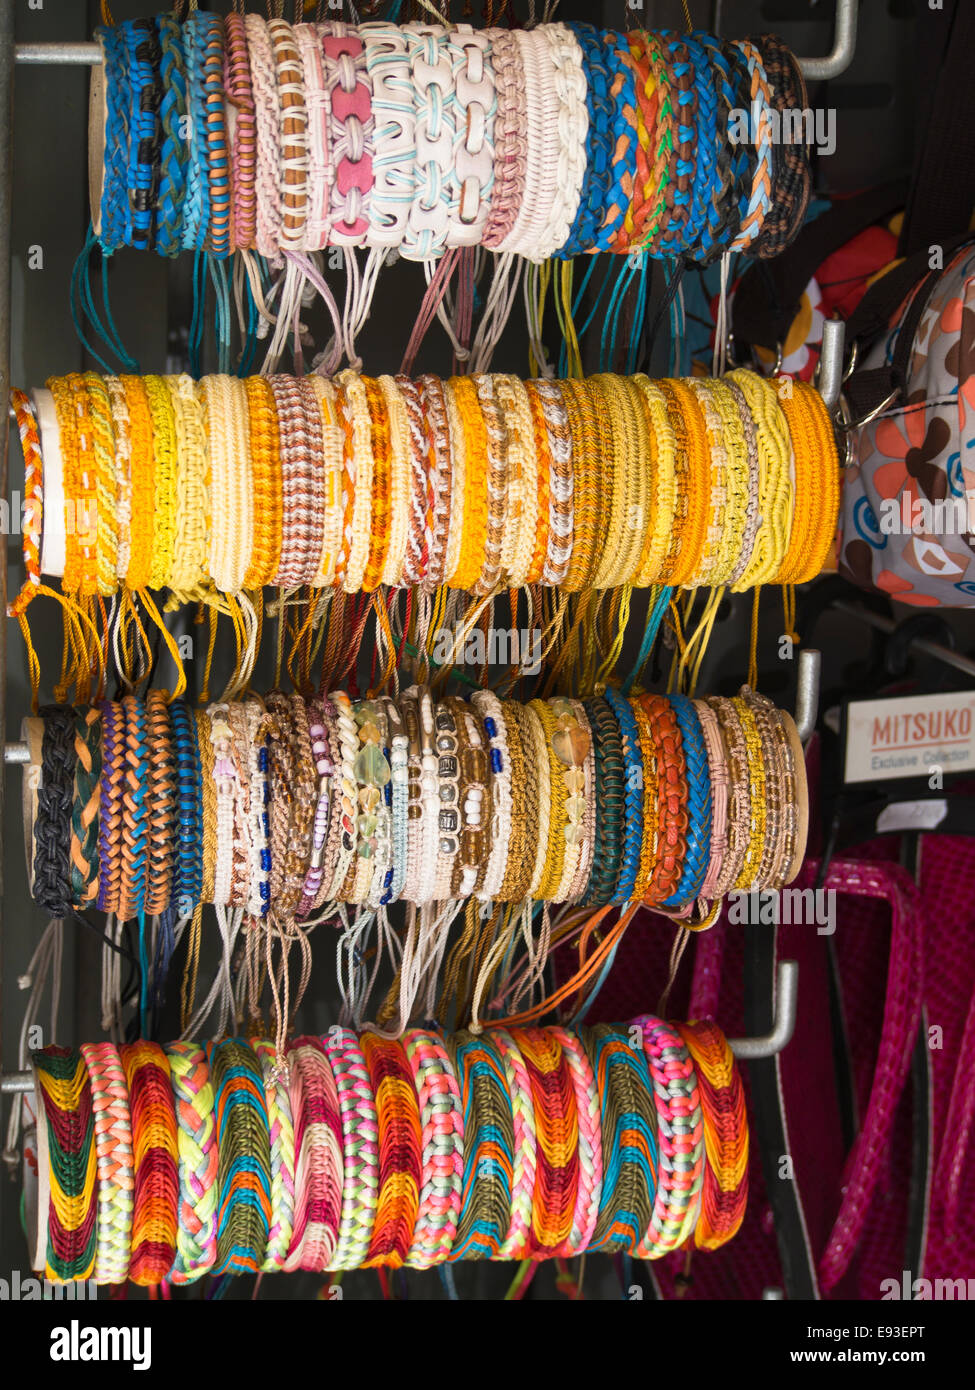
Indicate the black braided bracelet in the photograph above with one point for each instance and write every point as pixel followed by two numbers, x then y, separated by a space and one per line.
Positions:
pixel 793 178
pixel 84 811
pixel 52 824
pixel 608 846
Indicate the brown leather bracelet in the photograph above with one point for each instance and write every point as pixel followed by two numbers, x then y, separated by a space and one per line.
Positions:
pixel 161 798
pixel 671 800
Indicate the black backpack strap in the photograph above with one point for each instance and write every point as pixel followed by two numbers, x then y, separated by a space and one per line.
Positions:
pixel 868 391
pixel 767 296
pixel 942 194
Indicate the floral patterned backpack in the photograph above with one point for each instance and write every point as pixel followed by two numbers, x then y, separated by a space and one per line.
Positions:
pixel 907 523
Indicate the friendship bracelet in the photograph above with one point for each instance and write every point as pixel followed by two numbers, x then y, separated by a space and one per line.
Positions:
pixel 197 1162
pixel 155 1156
pixel 114 1160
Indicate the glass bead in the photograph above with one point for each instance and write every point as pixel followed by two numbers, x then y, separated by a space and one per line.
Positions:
pixel 371 766
pixel 571 746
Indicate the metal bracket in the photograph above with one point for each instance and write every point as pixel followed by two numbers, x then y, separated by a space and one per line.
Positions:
pixel 807 692
pixel 786 999
pixel 844 46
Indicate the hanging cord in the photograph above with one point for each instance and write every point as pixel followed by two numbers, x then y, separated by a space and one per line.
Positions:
pixel 45 965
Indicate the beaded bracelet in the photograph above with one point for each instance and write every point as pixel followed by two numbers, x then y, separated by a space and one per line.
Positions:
pixel 64 1087
pixel 155 1219
pixel 399 804
pixel 197 1162
pixel 443 1149
pixel 400 1150
pixel 360 1142
pixel 489 1147
pixel 489 707
pixel 113 1148
pixel 628 1139
pixel 318 1171
pixel 244 1177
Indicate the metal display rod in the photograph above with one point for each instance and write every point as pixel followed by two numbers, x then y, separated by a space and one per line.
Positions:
pixel 816 69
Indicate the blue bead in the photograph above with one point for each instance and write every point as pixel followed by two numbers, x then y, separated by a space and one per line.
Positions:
pixel 265 859
pixel 496 765
pixel 490 727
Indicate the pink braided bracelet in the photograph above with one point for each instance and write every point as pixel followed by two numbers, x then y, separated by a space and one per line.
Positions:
pixel 318 1157
pixel 443 1148
pixel 360 1143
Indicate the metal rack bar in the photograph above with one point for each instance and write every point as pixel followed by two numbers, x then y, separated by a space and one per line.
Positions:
pixel 816 69
pixel 844 46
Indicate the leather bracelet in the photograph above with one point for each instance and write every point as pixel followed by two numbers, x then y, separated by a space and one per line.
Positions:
pixel 671 800
pixel 52 824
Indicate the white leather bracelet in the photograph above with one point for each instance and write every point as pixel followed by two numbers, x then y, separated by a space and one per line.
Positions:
pixel 394 133
pixel 477 105
pixel 436 193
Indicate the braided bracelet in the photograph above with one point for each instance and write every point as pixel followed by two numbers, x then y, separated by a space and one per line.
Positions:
pixel 62 1082
pixel 724 1191
pixel 244 1178
pixel 240 96
pixel 698 803
pixel 557 1131
pixel 113 1148
pixel 84 812
pixel 196 204
pixel 489 1158
pixel 589 1194
pixel 155 1219
pixel 281 1137
pixel 524 1169
pixel 52 823
pixel 143 52
pixel 443 1149
pixel 680 1130
pixel 110 806
pixel 629 1139
pixel 400 1150
pixel 197 1162
pixel 318 1150
pixel 671 777
pixel 360 1136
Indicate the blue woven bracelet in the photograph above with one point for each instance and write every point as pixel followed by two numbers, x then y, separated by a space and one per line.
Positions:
pixel 196 210
pixel 698 803
pixel 173 155
pixel 722 174
pixel 116 215
pixel 622 89
pixel 599 143
pixel 704 170
pixel 142 50
pixel 632 799
pixel 188 874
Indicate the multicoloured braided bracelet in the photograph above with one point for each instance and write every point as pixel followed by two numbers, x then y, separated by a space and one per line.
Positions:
pixel 443 1149
pixel 243 1138
pixel 360 1142
pixel 113 1147
pixel 197 1164
pixel 155 1217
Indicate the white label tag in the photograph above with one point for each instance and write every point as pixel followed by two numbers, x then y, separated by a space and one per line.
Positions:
pixel 916 736
pixel 911 815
